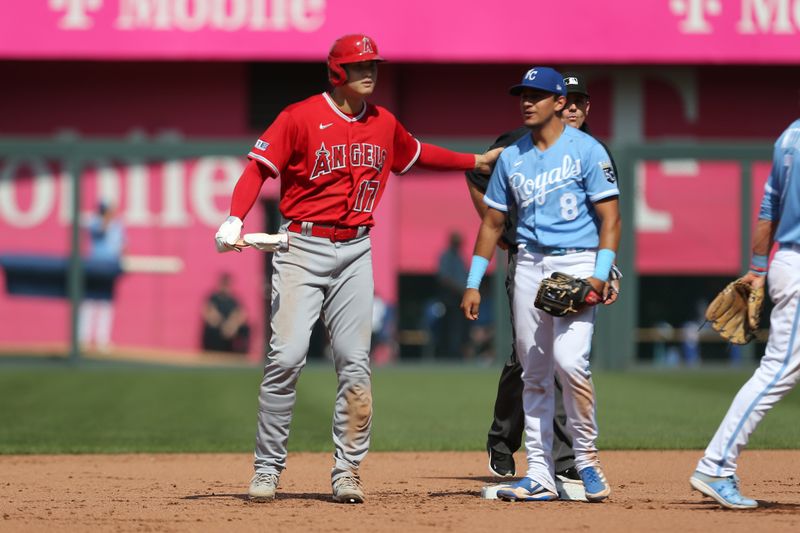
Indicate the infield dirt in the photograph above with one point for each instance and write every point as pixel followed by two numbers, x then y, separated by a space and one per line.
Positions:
pixel 405 492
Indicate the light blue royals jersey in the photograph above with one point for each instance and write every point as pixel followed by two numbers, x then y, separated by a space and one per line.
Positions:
pixel 554 191
pixel 782 191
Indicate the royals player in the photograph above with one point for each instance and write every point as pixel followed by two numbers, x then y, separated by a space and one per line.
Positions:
pixel 778 221
pixel 505 433
pixel 563 187
pixel 333 153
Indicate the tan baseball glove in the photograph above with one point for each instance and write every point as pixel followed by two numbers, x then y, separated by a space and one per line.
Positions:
pixel 736 311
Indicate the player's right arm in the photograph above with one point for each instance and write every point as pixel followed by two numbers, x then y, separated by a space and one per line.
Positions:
pixel 268 157
pixel 492 226
pixel 409 152
pixel 497 199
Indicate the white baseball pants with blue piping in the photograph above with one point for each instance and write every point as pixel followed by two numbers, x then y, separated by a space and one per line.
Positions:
pixel 546 344
pixel 777 374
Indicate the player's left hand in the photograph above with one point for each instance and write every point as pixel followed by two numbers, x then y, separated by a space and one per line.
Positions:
pixel 484 163
pixel 470 303
pixel 227 237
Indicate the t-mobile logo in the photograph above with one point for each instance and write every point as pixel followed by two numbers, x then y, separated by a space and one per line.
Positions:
pixel 694 13
pixel 76 12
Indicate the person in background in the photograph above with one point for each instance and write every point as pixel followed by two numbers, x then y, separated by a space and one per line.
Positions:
pixel 225 327
pixel 107 243
pixel 452 274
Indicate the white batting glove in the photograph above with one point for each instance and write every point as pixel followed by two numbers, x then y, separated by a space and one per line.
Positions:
pixel 228 234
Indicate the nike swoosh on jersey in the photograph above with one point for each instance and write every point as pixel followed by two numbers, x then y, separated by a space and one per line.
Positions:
pixel 323 126
pixel 518 163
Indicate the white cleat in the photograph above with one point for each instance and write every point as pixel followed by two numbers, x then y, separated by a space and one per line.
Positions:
pixel 263 487
pixel 348 489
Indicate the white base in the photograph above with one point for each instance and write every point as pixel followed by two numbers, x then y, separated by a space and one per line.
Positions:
pixel 566 491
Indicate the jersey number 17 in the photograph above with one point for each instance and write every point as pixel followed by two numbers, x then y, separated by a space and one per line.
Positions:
pixel 367 192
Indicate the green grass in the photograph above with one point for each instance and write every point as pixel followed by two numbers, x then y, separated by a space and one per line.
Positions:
pixel 109 409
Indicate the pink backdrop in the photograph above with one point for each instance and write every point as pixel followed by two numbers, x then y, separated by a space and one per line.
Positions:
pixel 169 212
pixel 665 31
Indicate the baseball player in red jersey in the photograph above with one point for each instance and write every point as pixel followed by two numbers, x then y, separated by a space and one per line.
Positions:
pixel 333 153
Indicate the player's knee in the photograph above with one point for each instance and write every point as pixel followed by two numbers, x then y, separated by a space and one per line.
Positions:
pixel 354 371
pixel 288 355
pixel 572 370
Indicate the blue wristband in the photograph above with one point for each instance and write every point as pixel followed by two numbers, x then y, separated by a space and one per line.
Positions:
pixel 759 262
pixel 602 265
pixel 476 271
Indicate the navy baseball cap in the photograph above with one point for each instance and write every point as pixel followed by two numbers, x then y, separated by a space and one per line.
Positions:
pixel 542 78
pixel 575 84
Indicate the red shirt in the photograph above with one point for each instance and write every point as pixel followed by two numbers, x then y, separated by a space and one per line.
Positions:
pixel 333 167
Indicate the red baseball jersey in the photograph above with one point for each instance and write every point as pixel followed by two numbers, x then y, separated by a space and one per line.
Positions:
pixel 334 167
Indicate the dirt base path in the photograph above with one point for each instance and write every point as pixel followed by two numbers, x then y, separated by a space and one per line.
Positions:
pixel 406 492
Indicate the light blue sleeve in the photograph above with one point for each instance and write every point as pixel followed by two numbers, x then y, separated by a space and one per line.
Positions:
pixel 497 195
pixel 599 177
pixel 771 201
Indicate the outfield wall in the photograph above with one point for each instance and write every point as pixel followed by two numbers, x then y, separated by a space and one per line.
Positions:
pixel 687 210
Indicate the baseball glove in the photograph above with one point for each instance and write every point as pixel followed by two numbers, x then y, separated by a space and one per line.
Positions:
pixel 735 312
pixel 561 294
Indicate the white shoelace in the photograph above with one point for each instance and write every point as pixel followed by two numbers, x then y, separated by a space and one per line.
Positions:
pixel 264 478
pixel 349 482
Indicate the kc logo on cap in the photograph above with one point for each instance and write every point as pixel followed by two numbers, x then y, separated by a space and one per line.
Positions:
pixel 541 78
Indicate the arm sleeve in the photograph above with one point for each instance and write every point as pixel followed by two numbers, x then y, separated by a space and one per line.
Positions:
pixel 600 177
pixel 274 148
pixel 246 191
pixel 771 201
pixel 437 158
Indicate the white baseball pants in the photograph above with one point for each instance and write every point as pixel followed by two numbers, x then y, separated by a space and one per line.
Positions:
pixel 773 379
pixel 547 344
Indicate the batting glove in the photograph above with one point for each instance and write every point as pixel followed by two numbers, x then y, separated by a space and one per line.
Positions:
pixel 228 234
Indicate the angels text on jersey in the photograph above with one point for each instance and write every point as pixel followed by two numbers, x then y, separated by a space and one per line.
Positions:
pixel 336 157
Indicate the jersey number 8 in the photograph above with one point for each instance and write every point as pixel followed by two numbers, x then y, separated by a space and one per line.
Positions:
pixel 569 206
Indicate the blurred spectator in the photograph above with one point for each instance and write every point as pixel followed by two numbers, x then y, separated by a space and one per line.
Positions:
pixel 481 334
pixel 664 353
pixel 690 332
pixel 107 243
pixel 225 327
pixel 430 323
pixel 383 348
pixel 452 278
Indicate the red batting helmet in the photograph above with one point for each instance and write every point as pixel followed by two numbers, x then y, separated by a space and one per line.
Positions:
pixel 350 49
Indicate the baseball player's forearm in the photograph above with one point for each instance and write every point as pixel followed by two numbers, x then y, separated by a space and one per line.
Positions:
pixel 763 236
pixel 247 189
pixel 610 232
pixel 491 229
pixel 437 158
pixel 490 232
pixel 610 224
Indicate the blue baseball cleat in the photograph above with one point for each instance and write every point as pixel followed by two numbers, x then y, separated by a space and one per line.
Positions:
pixel 595 483
pixel 723 489
pixel 526 490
